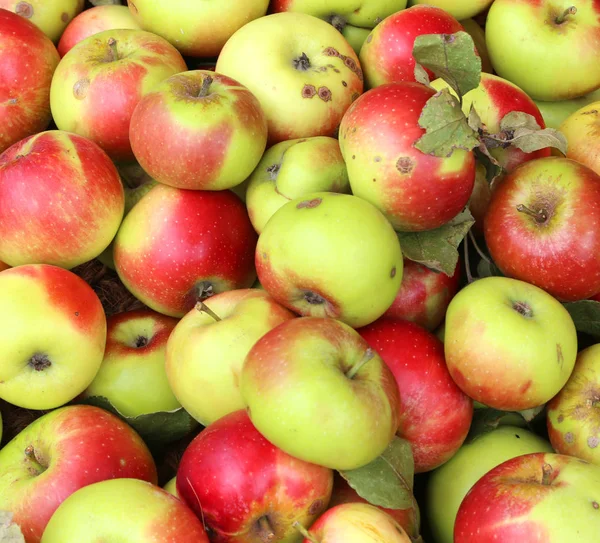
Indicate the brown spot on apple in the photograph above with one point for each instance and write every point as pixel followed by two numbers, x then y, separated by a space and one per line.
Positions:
pixel 595 505
pixel 64 17
pixel 369 38
pixel 559 355
pixel 344 84
pixel 592 442
pixel 315 507
pixel 309 204
pixel 331 52
pixel 525 387
pixel 308 91
pixel 405 165
pixel 569 437
pixel 377 159
pixel 80 88
pixel 24 9
pixel 393 272
pixel 560 418
pixel 324 94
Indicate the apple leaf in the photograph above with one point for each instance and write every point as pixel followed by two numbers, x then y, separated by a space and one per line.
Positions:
pixel 388 480
pixel 156 429
pixel 446 126
pixel 437 249
pixel 486 420
pixel 585 315
pixel 486 268
pixel 421 75
pixel 453 57
pixel 9 531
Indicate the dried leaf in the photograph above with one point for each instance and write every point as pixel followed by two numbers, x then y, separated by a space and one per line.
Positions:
pixel 9 532
pixel 474 120
pixel 524 133
pixel 586 316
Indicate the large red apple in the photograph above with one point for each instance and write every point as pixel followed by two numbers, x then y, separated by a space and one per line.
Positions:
pixel 435 415
pixel 27 61
pixel 178 246
pixel 414 190
pixel 540 227
pixel 245 489
pixel 62 451
pixel 98 83
pixel 61 200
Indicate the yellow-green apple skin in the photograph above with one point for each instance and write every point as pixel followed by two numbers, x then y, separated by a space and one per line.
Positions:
pixel 197 29
pixel 127 510
pixel 50 17
pixel 315 389
pixel 330 255
pixel 493 99
pixel 98 83
pixel 460 9
pixel 555 113
pixel 62 200
pixel 171 487
pixel 521 35
pixel 62 451
pixel 355 36
pixel 448 484
pixel 290 169
pixel 302 70
pixel 213 125
pixel 514 348
pixel 534 497
pixel 52 336
pixel 132 375
pixel 573 415
pixel 207 355
pixel 582 130
pixel 356 523
pixel 476 31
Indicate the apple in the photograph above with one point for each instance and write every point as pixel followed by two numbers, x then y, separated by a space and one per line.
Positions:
pixel 435 414
pixel 94 20
pixel 24 102
pixel 355 36
pixel 213 125
pixel 330 255
pixel 50 17
pixel 132 375
pixel 124 508
pixel 62 200
pixel 533 497
pixel 448 484
pixel 176 247
pixel 493 99
pixel 509 344
pixel 538 227
pixel 387 54
pixel 572 415
pixel 52 336
pixel 245 489
pixel 98 83
pixel 197 29
pixel 356 523
pixel 291 169
pixel 414 190
pixel 521 35
pixel 581 129
pixel 476 31
pixel 60 452
pixel 207 348
pixel 424 295
pixel 315 388
pixel 555 113
pixel 461 9
pixel 171 486
pixel 301 69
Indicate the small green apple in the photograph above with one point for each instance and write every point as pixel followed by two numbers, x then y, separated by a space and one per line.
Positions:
pixel 171 486
pixel 356 36
pixel 555 113
pixel 460 9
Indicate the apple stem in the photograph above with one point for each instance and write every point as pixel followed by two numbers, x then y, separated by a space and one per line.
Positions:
pixel 338 22
pixel 563 17
pixel 467 262
pixel 201 306
pixel 478 249
pixel 112 44
pixel 206 83
pixel 30 455
pixel 305 533
pixel 540 216
pixel 369 354
pixel 546 474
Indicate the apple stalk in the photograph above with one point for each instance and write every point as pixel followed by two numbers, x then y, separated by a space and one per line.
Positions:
pixel 565 14
pixel 305 533
pixel 356 367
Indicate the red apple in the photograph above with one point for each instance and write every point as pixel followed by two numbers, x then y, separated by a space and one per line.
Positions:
pixel 61 452
pixel 245 489
pixel 178 246
pixel 27 61
pixel 415 191
pixel 98 83
pixel 424 295
pixel 435 415
pixel 540 227
pixel 61 200
pixel 213 125
pixel 387 54
pixel 94 20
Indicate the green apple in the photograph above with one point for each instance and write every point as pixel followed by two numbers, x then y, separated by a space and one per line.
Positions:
pixel 448 484
pixel 522 35
pixel 509 344
pixel 460 9
pixel 206 350
pixel 291 169
pixel 132 375
pixel 330 255
pixel 124 510
pixel 555 113
pixel 315 389
pixel 171 486
pixel 355 36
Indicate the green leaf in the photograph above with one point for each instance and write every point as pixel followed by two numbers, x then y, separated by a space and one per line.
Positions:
pixel 9 532
pixel 452 57
pixel 437 249
pixel 586 316
pixel 388 480
pixel 486 420
pixel 156 429
pixel 421 75
pixel 486 268
pixel 446 126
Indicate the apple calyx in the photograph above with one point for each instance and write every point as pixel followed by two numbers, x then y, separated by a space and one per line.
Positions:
pixel 369 354
pixel 547 471
pixel 34 462
pixel 301 63
pixel 113 53
pixel 337 21
pixel 204 289
pixel 305 533
pixel 39 362
pixel 523 308
pixel 264 530
pixel 140 342
pixel 565 14
pixel 273 171
pixel 541 216
pixel 203 308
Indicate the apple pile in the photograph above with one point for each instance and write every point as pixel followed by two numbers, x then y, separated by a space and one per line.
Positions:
pixel 299 271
